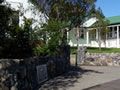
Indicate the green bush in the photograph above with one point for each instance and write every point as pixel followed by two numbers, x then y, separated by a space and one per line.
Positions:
pixel 53 35
pixel 20 41
pixel 40 50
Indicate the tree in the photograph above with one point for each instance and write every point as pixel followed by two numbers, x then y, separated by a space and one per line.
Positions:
pixel 70 11
pixel 101 27
pixel 15 39
pixel 51 39
pixel 1 1
pixel 73 12
pixel 5 15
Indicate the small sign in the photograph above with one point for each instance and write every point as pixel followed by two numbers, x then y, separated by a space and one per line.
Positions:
pixel 42 73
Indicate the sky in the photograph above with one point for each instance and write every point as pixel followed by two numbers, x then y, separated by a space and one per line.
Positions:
pixel 109 7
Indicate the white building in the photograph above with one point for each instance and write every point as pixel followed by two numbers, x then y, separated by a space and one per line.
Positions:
pixel 28 10
pixel 113 39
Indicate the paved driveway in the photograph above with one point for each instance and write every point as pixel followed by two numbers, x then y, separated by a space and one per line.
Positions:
pixel 85 78
pixel 113 85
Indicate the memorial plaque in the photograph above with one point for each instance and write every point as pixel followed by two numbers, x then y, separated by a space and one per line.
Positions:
pixel 42 73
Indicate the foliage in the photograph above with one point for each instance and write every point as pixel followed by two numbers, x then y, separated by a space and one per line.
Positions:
pixel 52 37
pixel 40 50
pixel 101 27
pixel 5 22
pixel 71 11
pixel 17 44
pixel 15 39
pixel 22 41
pixel 1 1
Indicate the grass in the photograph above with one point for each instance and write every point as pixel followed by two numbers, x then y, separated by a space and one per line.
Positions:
pixel 96 50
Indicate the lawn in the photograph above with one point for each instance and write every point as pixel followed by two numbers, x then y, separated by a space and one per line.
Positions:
pixel 96 50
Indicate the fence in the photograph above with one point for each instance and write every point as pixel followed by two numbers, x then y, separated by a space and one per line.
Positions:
pixel 29 73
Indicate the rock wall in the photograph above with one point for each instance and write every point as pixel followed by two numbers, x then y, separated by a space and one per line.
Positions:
pixel 82 54
pixel 29 73
pixel 103 59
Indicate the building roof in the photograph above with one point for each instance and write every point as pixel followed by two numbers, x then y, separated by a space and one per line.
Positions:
pixel 90 22
pixel 114 20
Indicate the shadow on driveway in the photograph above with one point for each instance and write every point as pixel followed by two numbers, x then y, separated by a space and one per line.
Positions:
pixel 113 85
pixel 66 80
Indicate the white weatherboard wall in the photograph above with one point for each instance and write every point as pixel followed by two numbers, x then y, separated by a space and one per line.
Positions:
pixel 112 42
pixel 83 41
pixel 73 41
pixel 28 11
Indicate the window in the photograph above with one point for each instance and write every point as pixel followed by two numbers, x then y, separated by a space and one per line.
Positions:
pixel 119 31
pixel 93 34
pixel 110 33
pixel 115 32
pixel 82 34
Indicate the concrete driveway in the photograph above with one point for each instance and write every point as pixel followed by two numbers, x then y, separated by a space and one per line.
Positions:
pixel 85 78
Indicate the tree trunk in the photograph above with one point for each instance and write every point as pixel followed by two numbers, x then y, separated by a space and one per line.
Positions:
pixel 77 50
pixel 99 45
pixel 78 33
pixel 106 41
pixel 99 40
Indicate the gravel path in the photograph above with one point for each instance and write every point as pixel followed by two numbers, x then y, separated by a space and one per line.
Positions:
pixel 82 78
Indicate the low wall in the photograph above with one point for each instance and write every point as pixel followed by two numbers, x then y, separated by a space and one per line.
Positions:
pixel 29 73
pixel 73 59
pixel 103 59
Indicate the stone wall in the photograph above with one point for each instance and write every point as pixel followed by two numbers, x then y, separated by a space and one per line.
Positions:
pixel 73 59
pixel 23 74
pixel 82 54
pixel 103 59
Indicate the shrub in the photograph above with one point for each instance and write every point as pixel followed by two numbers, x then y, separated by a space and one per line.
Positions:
pixel 40 50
